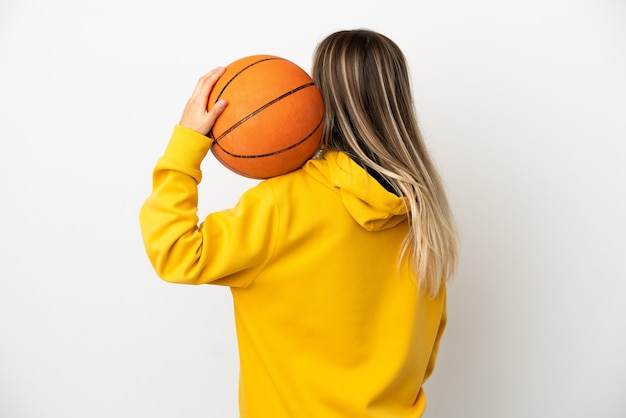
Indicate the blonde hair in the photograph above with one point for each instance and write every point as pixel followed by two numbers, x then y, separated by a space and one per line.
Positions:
pixel 370 115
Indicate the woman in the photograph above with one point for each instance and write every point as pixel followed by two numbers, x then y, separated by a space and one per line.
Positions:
pixel 338 270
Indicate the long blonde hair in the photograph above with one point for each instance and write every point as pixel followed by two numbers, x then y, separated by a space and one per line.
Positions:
pixel 370 115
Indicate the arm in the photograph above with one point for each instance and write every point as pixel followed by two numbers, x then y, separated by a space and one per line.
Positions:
pixel 230 245
pixel 442 327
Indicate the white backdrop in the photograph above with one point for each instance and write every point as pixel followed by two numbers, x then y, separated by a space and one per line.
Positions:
pixel 523 105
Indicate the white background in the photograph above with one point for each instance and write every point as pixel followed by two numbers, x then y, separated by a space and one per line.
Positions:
pixel 523 105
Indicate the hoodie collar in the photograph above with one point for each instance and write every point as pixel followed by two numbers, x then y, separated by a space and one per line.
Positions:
pixel 369 203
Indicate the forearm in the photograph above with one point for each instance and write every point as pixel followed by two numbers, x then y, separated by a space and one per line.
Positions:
pixel 168 218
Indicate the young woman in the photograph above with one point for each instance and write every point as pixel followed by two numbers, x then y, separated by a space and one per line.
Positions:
pixel 338 270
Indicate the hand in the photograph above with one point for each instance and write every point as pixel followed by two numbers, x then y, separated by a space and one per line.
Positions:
pixel 197 115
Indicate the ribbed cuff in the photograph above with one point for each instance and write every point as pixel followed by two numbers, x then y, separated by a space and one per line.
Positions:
pixel 187 147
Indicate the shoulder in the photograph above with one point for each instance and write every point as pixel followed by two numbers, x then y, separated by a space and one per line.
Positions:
pixel 294 179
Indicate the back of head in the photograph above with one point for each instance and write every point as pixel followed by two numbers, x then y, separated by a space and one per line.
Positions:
pixel 370 115
pixel 364 81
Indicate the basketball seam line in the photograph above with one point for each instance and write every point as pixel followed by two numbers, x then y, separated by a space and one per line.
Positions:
pixel 260 109
pixel 274 152
pixel 242 70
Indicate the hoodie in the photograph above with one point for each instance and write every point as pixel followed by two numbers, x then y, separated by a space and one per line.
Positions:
pixel 329 322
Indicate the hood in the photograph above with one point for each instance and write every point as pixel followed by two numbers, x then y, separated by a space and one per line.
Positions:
pixel 369 203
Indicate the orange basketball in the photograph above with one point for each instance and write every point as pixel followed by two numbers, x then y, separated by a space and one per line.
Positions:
pixel 273 122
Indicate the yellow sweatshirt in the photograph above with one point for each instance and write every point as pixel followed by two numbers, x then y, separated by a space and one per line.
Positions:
pixel 328 325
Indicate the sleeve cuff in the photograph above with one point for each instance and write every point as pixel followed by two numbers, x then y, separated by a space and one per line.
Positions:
pixel 187 147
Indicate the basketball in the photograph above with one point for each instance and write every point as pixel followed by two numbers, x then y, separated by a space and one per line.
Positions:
pixel 273 122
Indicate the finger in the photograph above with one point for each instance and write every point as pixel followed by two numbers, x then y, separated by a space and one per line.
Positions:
pixel 206 83
pixel 216 110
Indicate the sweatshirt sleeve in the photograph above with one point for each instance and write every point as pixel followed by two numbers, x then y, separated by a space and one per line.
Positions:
pixel 442 326
pixel 229 247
